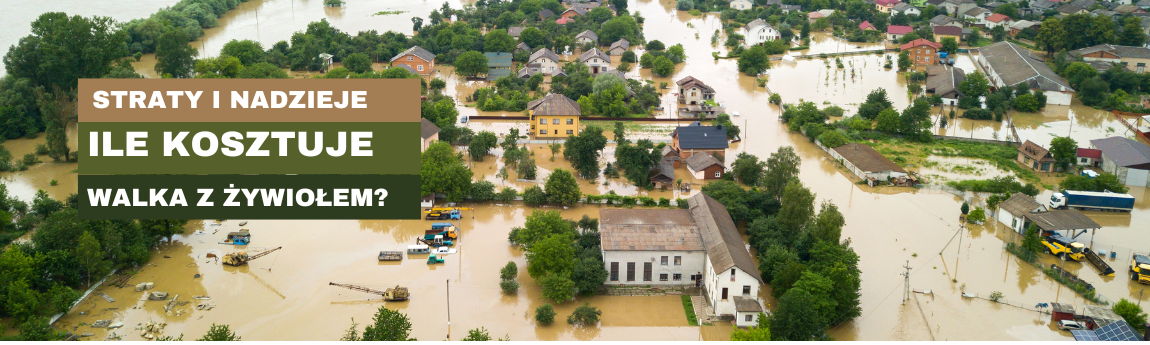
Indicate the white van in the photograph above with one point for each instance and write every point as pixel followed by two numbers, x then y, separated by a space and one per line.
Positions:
pixel 418 249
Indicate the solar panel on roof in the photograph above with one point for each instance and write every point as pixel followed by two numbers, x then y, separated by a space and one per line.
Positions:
pixel 1117 331
pixel 1084 335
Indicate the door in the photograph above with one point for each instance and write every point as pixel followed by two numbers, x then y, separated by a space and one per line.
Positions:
pixel 724 294
pixel 1137 177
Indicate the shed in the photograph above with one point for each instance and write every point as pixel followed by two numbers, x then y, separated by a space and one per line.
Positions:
pixel 705 166
pixel 662 174
pixel 1061 311
pixel 1126 158
pixel 498 65
pixel 747 311
pixel 866 163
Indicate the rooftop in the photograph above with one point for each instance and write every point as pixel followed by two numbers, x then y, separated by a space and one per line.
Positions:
pixel 921 42
pixel 943 80
pixel 1116 50
pixel 543 53
pixel 702 160
pixel 1124 152
pixel 725 247
pixel 554 104
pixel 418 51
pixel 690 82
pixel 997 18
pixel 1034 151
pixel 866 158
pixel 648 229
pixel 899 29
pixel 594 53
pixel 1055 220
pixel 588 34
pixel 621 43
pixel 1088 153
pixel 696 136
pixel 1015 65
pixel 747 305
pixel 947 30
pixel 1020 205
pixel 426 128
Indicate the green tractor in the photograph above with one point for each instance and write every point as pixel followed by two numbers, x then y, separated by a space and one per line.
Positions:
pixel 431 260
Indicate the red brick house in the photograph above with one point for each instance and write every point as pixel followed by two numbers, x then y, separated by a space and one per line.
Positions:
pixel 922 51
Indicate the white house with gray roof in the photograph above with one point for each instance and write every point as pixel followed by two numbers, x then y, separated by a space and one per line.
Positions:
pixel 596 60
pixel 699 246
pixel 1126 158
pixel 545 61
pixel 1007 64
pixel 587 37
pixel 758 31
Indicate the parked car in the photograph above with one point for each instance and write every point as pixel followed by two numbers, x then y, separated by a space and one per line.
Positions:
pixel 1070 325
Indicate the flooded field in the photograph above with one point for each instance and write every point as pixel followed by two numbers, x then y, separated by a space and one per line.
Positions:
pixel 286 295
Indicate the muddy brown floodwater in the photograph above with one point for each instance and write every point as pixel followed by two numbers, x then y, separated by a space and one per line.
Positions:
pixel 286 295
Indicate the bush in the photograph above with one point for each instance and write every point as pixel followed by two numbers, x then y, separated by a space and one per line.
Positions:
pixel 482 191
pixel 30 159
pixel 629 56
pixel 832 139
pixel 977 216
pixel 41 149
pixel 682 203
pixel 978 114
pixel 584 315
pixel 509 286
pixel 506 195
pixel 647 201
pixel 534 196
pixel 664 202
pixel 509 271
pixel 545 314
pixel 627 201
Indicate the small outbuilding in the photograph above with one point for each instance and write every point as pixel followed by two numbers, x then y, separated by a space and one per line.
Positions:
pixel 867 164
pixel 705 166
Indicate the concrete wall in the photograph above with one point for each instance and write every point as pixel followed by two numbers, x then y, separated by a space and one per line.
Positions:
pixel 691 264
pixel 550 129
pixel 1010 221
pixel 715 282
pixel 741 319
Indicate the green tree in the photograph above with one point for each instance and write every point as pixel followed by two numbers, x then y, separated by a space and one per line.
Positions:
pixel 904 62
pixel 1008 9
pixel 1065 151
pixel 1132 34
pixel 533 37
pixel 470 63
pixel 540 225
pixel 620 27
pixel 498 41
pixel 526 168
pixel 174 57
pixel 1078 72
pixel 545 314
pixel 506 195
pixel 509 271
pixel 949 45
pixel 1050 37
pixel 584 315
pixel 552 255
pixel 262 70
pixel 557 287
pixel 974 87
pixel 562 188
pixel 1132 313
pixel 357 62
pixel 797 207
pixel 636 161
pixel 21 301
pixel 481 145
pixel 646 60
pixel 477 334
pixel 583 151
pixel 61 49
pixel 832 139
pixel 388 325
pixel 754 61
pixel 442 171
pixel 748 169
pixel 534 196
pixel 90 256
pixel 219 333
pixel 887 121
pixel 761 332
pixel 796 318
pixel 58 108
pixel 828 225
pixel 782 166
pixel 662 66
pixel 218 67
pixel 249 52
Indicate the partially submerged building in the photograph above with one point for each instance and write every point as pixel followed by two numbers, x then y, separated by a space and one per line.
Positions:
pixel 869 165
pixel 1126 158
pixel 1036 157
pixel 699 246
pixel 704 166
pixel 553 116
pixel 695 138
pixel 943 81
pixel 1007 65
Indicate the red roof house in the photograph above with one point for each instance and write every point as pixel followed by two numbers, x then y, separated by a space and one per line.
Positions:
pixel 866 25
pixel 997 18
pixel 921 42
pixel 899 29
pixel 1089 153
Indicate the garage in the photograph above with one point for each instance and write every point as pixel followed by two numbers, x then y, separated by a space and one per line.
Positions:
pixel 1129 159
pixel 1137 177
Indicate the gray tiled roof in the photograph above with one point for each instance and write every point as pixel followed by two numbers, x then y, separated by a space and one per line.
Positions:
pixel 418 52
pixel 588 34
pixel 543 53
pixel 1015 65
pixel 1120 51
pixel 1055 220
pixel 1020 205
pixel 1124 152
pixel 621 43
pixel 426 128
pixel 725 247
pixel 747 305
pixel 702 160
pixel 664 171
pixel 975 11
pixel 690 81
pixel 942 19
pixel 554 104
pixel 515 30
pixel 593 53
pixel 943 80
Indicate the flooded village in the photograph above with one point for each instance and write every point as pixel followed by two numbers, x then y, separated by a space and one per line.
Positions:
pixel 923 205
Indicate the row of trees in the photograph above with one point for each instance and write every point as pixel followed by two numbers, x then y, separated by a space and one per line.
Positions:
pixel 563 256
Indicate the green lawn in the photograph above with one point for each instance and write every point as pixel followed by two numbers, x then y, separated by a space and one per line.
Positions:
pixel 690 309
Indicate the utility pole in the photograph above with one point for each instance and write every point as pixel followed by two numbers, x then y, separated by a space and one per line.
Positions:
pixel 906 282
pixel 448 309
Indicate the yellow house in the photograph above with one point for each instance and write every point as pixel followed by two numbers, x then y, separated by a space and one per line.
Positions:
pixel 554 116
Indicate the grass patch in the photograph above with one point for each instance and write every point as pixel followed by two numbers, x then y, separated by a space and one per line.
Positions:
pixel 384 13
pixel 690 309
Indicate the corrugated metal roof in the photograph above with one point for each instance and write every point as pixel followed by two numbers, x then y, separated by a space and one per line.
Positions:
pixel 1055 220
pixel 1020 205
pixel 1122 151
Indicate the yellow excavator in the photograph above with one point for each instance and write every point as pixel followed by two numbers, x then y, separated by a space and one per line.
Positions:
pixel 242 258
pixel 398 293
pixel 445 213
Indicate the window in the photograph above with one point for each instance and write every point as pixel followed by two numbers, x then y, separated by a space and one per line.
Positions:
pixel 569 131
pixel 749 317
pixel 677 276
pixel 732 276
pixel 570 121
pixel 662 277
pixel 614 271
pixel 746 290
pixel 419 68
pixel 647 271
pixel 556 131
pixel 1082 161
pixel 724 294
pixel 542 131
pixel 678 260
pixel 410 58
pixel 928 59
pixel 630 271
pixel 718 174
pixel 663 261
pixel 555 121
pixel 543 121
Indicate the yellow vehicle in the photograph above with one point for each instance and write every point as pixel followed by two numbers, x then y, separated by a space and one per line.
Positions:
pixel 1062 247
pixel 242 258
pixel 1140 268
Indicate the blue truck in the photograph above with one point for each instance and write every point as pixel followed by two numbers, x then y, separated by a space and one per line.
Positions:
pixel 1099 201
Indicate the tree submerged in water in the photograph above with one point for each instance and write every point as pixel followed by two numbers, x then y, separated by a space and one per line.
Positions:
pixel 333 3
